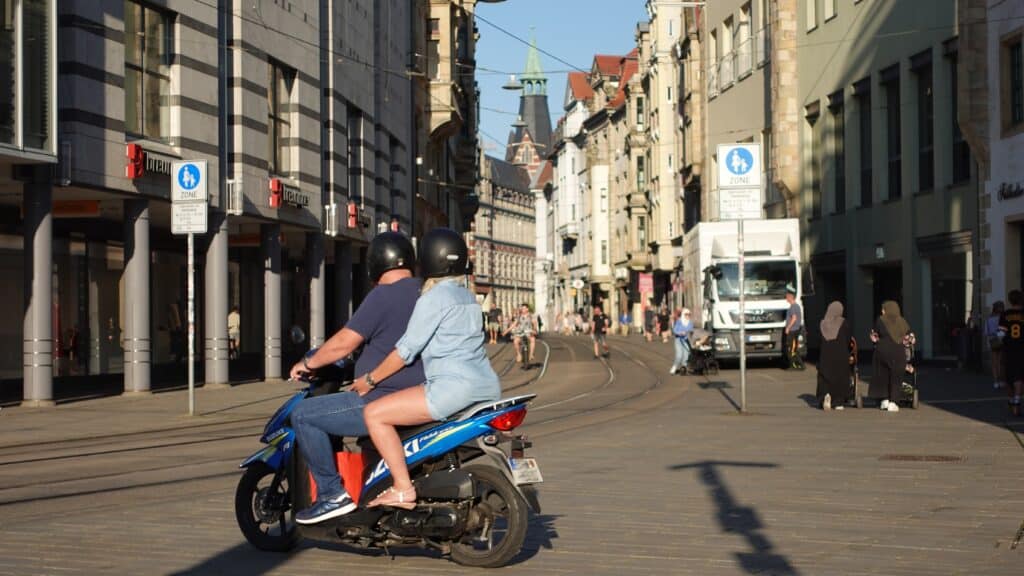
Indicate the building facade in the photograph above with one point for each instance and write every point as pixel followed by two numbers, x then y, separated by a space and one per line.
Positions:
pixel 991 112
pixel 303 113
pixel 503 237
pixel 888 195
pixel 445 114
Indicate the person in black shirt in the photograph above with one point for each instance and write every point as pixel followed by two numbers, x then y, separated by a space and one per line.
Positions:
pixel 1011 326
pixel 599 331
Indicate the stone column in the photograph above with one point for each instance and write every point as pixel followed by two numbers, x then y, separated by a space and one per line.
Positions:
pixel 215 293
pixel 37 346
pixel 785 107
pixel 271 244
pixel 315 264
pixel 137 341
pixel 343 284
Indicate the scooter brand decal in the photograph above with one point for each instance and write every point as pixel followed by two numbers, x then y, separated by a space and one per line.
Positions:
pixel 414 447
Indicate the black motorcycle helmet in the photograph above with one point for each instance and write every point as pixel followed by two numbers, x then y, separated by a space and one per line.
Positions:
pixel 443 252
pixel 389 251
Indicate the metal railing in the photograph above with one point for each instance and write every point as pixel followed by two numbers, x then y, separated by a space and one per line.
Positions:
pixel 762 44
pixel 713 81
pixel 726 70
pixel 744 59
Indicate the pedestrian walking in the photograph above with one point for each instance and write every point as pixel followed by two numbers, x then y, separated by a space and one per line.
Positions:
pixel 234 333
pixel 1011 324
pixel 599 332
pixel 890 362
pixel 834 362
pixel 682 326
pixel 793 330
pixel 665 323
pixel 494 324
pixel 995 344
pixel 650 324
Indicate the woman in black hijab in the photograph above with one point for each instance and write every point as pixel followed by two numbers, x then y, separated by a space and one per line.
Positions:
pixel 890 355
pixel 834 362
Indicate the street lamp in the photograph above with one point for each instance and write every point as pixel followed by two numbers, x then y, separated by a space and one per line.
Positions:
pixel 512 83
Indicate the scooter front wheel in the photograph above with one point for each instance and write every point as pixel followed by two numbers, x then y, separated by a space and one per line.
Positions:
pixel 263 508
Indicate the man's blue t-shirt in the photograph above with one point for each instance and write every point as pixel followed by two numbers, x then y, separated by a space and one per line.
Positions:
pixel 795 311
pixel 381 320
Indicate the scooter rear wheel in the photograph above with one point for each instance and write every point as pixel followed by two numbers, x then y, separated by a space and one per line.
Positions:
pixel 497 534
pixel 265 515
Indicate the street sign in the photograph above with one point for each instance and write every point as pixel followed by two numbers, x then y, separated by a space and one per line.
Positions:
pixel 188 181
pixel 739 203
pixel 739 166
pixel 578 283
pixel 188 218
pixel 189 197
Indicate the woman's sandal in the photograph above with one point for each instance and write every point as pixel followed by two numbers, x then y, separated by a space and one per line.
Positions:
pixel 405 499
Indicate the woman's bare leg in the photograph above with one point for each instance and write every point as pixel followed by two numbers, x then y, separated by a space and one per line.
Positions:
pixel 404 408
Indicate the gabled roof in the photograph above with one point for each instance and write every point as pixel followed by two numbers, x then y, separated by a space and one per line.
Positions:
pixel 629 68
pixel 607 64
pixel 579 85
pixel 507 175
pixel 544 176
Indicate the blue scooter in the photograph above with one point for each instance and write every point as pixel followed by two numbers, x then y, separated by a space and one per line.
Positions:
pixel 472 477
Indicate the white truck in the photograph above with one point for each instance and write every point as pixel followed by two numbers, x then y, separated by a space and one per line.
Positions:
pixel 711 282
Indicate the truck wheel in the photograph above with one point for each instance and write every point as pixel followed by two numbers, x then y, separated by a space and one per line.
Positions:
pixel 497 521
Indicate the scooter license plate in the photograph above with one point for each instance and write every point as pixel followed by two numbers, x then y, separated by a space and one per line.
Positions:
pixel 525 470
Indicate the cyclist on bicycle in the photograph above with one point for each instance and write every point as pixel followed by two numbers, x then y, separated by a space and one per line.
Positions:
pixel 524 325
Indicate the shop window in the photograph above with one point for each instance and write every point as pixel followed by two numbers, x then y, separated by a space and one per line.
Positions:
pixel 147 59
pixel 281 82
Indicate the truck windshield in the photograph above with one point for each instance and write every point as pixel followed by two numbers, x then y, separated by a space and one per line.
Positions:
pixel 763 280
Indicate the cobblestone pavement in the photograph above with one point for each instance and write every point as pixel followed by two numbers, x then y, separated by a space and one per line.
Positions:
pixel 645 473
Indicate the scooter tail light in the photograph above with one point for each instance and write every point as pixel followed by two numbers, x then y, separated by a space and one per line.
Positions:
pixel 508 420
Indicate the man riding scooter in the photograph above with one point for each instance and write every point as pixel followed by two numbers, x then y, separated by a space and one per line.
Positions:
pixel 377 325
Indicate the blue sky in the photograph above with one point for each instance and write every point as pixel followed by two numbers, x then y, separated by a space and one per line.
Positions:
pixel 571 30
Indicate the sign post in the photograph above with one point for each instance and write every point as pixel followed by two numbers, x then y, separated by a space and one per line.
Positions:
pixel 189 196
pixel 739 198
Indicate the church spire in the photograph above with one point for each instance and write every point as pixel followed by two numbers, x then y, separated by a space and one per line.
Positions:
pixel 533 79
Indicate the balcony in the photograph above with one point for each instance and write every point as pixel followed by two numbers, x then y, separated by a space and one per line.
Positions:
pixel 569 230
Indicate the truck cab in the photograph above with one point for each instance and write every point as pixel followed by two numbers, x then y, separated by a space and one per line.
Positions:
pixel 771 266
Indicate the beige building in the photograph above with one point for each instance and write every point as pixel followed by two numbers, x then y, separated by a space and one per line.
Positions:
pixel 445 114
pixel 503 236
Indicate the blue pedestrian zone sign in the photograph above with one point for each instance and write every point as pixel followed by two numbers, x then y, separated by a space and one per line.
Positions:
pixel 739 161
pixel 188 181
pixel 739 166
pixel 188 177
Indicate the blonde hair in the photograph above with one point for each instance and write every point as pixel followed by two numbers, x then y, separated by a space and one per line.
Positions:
pixel 429 283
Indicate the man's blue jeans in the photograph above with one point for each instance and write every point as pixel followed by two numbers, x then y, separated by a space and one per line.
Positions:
pixel 339 414
pixel 682 353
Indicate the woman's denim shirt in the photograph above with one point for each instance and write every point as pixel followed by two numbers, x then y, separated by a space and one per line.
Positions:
pixel 446 329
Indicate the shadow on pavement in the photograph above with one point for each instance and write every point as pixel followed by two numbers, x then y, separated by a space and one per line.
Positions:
pixel 721 387
pixel 742 520
pixel 244 559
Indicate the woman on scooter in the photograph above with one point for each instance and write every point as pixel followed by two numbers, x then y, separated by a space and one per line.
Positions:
pixel 446 330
